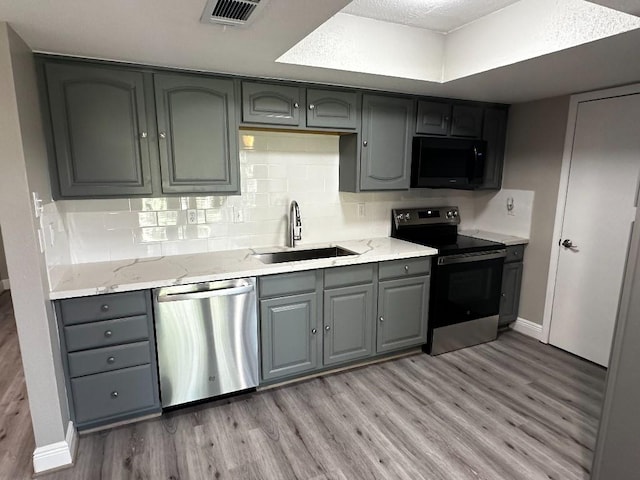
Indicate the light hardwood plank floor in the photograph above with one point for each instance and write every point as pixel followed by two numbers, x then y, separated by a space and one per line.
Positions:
pixel 511 409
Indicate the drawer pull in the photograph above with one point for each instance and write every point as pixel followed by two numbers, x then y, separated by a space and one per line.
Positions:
pixel 111 360
pixel 104 308
pixel 114 394
pixel 382 319
pixel 108 333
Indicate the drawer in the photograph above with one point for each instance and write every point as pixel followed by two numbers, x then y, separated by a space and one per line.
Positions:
pixel 113 393
pixel 287 283
pixel 102 307
pixel 515 253
pixel 108 332
pixel 110 358
pixel 351 275
pixel 404 268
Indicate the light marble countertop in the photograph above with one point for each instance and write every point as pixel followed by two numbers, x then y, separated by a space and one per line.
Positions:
pixel 137 274
pixel 495 237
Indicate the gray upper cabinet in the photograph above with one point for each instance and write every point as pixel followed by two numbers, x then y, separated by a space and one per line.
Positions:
pixel 348 323
pixel 289 335
pixel 387 130
pixel 402 313
pixel 433 118
pixel 449 119
pixel 271 104
pixel 99 131
pixel 332 109
pixel 198 142
pixel 494 132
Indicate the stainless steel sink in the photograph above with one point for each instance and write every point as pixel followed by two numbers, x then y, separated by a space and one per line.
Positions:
pixel 310 254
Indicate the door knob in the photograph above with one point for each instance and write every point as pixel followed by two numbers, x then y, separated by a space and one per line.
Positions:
pixel 568 244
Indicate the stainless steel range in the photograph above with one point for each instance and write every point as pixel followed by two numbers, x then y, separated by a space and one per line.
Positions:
pixel 466 278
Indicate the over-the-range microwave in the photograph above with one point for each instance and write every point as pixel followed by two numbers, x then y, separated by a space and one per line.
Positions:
pixel 447 162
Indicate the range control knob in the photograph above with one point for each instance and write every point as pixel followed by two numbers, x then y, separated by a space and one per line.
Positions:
pixel 407 216
pixel 400 217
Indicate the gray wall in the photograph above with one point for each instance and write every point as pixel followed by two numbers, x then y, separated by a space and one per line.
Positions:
pixel 533 159
pixel 24 169
pixel 4 274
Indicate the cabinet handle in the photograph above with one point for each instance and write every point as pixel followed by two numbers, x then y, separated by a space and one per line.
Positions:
pixel 327 328
pixel 163 135
pixel 295 105
pixel 365 143
pixel 114 394
pixel 312 106
pixel 406 268
pixel 143 135
pixel 504 295
pixel 104 308
pixel 382 319
pixel 108 333
pixel 314 331
pixel 111 360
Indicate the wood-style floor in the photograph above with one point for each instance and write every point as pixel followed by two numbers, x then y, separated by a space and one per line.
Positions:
pixel 511 409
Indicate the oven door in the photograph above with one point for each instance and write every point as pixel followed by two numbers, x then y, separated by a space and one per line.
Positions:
pixel 466 287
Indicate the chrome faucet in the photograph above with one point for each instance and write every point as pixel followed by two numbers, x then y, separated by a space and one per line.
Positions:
pixel 295 224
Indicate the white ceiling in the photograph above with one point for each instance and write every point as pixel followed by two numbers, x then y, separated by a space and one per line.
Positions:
pixel 437 15
pixel 168 33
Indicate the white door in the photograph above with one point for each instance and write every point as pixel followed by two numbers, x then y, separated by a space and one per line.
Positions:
pixel 600 208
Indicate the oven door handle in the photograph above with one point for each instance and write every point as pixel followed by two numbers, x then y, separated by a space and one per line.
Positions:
pixel 471 257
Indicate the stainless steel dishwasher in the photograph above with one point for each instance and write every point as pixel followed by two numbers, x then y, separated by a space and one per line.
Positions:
pixel 207 337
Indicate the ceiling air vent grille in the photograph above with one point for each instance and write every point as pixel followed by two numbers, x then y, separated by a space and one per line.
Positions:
pixel 231 12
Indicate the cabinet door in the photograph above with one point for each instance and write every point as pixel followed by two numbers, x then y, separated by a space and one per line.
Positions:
pixel 402 313
pixel 466 121
pixel 289 335
pixel 331 109
pixel 99 128
pixel 433 118
pixel 494 132
pixel 511 282
pixel 348 323
pixel 386 143
pixel 271 104
pixel 197 133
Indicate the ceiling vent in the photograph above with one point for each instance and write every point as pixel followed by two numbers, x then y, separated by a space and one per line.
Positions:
pixel 231 12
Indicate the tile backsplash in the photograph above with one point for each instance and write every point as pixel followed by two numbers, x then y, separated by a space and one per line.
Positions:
pixel 275 168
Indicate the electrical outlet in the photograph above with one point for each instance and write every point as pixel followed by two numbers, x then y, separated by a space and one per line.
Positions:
pixel 361 210
pixel 238 215
pixel 510 206
pixel 52 235
pixel 192 216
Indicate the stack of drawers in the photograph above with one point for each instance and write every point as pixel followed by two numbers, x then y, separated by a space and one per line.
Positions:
pixel 109 355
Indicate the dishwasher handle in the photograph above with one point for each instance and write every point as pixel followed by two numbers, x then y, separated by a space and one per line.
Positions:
pixel 222 292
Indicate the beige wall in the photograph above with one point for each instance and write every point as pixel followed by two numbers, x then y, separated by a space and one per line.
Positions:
pixel 3 262
pixel 24 170
pixel 533 159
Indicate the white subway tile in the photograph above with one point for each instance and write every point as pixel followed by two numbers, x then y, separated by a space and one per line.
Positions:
pixel 169 217
pixel 147 219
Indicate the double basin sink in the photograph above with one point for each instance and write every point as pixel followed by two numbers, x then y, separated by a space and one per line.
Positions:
pixel 309 254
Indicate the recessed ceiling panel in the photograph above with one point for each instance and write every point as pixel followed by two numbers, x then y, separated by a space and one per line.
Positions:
pixel 438 15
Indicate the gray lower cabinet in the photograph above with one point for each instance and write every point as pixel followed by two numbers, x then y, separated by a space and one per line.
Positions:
pixel 109 357
pixel 198 142
pixel 348 323
pixel 511 285
pixel 289 335
pixel 99 131
pixel 403 305
pixel 387 132
pixel 494 132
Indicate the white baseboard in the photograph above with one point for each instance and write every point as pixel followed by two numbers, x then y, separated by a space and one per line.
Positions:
pixel 528 328
pixel 56 455
pixel 4 285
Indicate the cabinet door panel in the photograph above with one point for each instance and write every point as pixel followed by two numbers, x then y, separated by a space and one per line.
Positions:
pixel 331 109
pixel 271 104
pixel 494 133
pixel 288 344
pixel 433 118
pixel 466 121
pixel 197 130
pixel 98 119
pixel 510 302
pixel 386 147
pixel 348 313
pixel 402 313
